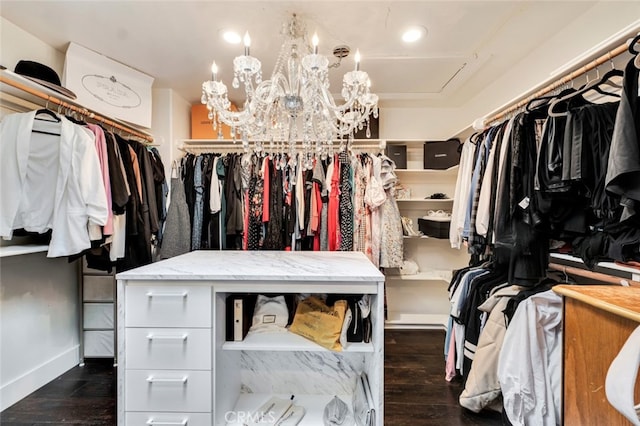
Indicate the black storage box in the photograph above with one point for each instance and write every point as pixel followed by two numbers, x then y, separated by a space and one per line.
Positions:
pixel 398 153
pixel 436 227
pixel 441 155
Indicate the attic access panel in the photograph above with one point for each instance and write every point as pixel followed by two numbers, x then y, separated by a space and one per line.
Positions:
pixel 414 75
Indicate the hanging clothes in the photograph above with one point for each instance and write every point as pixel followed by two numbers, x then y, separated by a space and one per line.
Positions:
pixel 333 227
pixel 274 236
pixel 391 253
pixel 346 205
pixel 623 171
pixel 530 363
pixel 177 232
pixel 256 190
pixel 51 182
pixel 323 207
pixel 463 184
pixel 198 186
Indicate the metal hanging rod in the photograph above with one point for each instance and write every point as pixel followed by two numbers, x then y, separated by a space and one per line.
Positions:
pixel 82 111
pixel 596 276
pixel 562 81
pixel 221 146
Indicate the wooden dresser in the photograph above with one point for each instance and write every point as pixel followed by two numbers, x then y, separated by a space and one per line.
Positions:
pixel 598 319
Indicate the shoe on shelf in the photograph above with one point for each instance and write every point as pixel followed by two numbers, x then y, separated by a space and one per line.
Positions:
pixel 438 196
pixel 407 228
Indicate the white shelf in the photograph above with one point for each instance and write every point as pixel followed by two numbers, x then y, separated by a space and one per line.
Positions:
pixel 421 237
pixel 452 170
pixel 434 275
pixel 405 320
pixel 17 250
pixel 286 342
pixel 313 405
pixel 424 200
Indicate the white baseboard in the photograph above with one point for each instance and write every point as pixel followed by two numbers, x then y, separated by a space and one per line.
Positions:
pixel 32 380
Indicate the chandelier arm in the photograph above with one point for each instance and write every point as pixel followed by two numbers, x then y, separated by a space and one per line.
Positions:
pixel 329 102
pixel 271 86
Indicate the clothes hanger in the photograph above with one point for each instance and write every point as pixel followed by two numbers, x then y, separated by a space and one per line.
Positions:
pixel 605 81
pixel 47 111
pixel 632 45
pixel 633 51
pixel 613 67
pixel 544 100
pixel 552 111
pixel 474 138
pixel 54 119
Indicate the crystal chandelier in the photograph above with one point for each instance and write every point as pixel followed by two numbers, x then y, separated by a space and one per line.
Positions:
pixel 295 103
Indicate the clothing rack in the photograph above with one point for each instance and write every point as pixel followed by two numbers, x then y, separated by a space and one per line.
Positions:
pixel 75 108
pixel 562 81
pixel 596 276
pixel 201 146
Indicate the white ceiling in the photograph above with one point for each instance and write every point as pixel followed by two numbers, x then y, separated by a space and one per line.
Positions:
pixel 468 46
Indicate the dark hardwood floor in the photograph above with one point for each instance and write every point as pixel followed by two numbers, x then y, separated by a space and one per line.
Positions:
pixel 81 396
pixel 416 393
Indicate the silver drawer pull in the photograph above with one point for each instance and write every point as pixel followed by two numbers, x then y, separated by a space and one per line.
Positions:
pixel 182 337
pixel 182 380
pixel 180 294
pixel 152 422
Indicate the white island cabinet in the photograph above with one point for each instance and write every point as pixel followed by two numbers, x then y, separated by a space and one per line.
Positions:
pixel 176 367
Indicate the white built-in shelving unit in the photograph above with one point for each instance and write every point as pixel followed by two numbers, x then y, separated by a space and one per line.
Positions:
pixel 421 300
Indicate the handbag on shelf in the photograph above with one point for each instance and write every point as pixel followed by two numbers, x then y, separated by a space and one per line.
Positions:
pixel 358 329
pixel 320 323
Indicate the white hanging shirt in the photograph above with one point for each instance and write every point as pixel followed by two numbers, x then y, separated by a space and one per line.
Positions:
pixel 530 365
pixel 461 195
pixel 50 182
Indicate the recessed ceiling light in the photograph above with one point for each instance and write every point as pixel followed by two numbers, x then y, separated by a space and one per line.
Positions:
pixel 231 37
pixel 414 34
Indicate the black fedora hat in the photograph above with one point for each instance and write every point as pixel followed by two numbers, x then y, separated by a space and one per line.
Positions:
pixel 42 75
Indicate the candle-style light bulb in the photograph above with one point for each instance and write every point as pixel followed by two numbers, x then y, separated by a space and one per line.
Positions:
pixel 357 59
pixel 247 43
pixel 368 83
pixel 314 42
pixel 214 71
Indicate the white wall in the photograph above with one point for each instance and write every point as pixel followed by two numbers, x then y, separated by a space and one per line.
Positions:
pixel 17 44
pixel 39 338
pixel 418 123
pixel 170 124
pixel 181 121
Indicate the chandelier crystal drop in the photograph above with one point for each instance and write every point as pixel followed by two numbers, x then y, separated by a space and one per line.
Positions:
pixel 295 104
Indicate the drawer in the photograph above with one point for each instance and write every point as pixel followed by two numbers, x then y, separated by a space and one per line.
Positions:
pixel 98 288
pixel 98 315
pixel 168 419
pixel 168 390
pixel 168 306
pixel 170 348
pixel 98 343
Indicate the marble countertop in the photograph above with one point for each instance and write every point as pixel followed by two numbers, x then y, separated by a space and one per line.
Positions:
pixel 260 266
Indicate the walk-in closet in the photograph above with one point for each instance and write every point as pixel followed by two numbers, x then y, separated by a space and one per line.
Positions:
pixel 320 213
